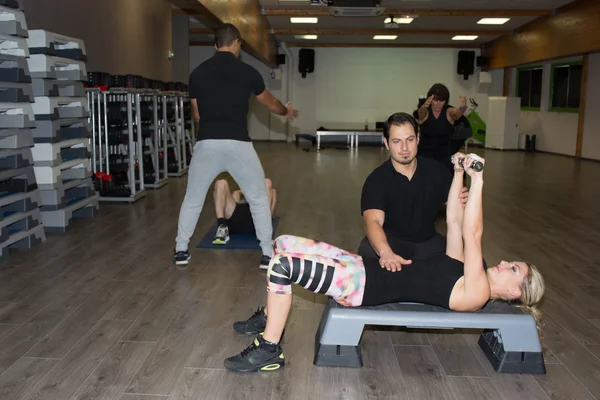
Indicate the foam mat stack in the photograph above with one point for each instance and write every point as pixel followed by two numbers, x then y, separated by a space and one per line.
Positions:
pixel 61 151
pixel 20 219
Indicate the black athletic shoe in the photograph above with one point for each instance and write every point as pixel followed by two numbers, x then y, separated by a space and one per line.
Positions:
pixel 259 356
pixel 264 262
pixel 182 257
pixel 254 325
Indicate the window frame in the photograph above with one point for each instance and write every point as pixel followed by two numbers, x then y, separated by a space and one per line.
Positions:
pixel 530 68
pixel 552 68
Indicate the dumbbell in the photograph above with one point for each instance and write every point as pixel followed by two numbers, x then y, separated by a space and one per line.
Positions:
pixel 477 165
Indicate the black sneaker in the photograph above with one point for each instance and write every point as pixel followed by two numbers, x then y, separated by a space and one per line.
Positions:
pixel 264 262
pixel 182 257
pixel 254 325
pixel 257 357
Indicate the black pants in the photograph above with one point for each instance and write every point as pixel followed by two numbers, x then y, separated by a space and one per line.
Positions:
pixel 407 250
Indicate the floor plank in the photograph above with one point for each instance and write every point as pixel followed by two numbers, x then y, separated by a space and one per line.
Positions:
pixel 559 383
pixel 111 377
pixel 26 336
pixel 473 388
pixel 70 373
pixel 17 381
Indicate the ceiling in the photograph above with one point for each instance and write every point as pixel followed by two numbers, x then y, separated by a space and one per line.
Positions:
pixel 453 17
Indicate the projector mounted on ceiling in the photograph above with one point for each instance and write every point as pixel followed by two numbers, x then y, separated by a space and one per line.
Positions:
pixel 355 8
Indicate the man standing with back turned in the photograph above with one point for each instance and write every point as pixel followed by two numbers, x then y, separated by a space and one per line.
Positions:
pixel 219 91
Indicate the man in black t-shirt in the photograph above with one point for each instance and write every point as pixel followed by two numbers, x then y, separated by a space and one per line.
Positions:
pixel 401 199
pixel 219 91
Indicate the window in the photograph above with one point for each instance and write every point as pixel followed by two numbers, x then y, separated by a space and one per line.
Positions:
pixel 565 87
pixel 529 87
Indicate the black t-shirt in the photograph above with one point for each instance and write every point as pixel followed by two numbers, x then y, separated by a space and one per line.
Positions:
pixel 436 134
pixel 222 86
pixel 410 207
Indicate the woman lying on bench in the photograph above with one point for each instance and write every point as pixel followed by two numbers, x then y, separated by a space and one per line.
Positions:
pixel 456 281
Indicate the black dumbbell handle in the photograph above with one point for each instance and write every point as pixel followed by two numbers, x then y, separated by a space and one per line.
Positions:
pixel 477 165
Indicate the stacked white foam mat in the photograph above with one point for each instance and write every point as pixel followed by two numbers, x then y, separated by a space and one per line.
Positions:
pixel 62 136
pixel 20 220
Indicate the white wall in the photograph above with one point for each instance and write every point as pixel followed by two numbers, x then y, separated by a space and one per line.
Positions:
pixel 351 85
pixel 556 132
pixel 262 124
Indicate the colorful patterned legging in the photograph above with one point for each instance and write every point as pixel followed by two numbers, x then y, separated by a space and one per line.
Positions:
pixel 318 267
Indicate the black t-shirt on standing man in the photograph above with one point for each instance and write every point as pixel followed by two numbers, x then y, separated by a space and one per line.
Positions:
pixel 222 86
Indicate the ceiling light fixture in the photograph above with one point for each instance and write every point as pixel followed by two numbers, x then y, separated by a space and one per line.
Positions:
pixel 493 21
pixel 304 20
pixel 399 20
pixel 309 37
pixel 465 37
pixel 385 37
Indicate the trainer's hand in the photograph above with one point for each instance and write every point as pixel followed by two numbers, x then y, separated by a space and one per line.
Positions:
pixel 463 101
pixel 392 262
pixel 291 112
pixel 464 196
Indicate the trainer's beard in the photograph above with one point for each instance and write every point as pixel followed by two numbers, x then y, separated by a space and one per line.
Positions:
pixel 404 161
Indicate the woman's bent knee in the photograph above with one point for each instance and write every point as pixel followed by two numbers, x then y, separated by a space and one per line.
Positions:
pixel 221 184
pixel 279 275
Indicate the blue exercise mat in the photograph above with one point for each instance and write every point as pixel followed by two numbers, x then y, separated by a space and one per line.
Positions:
pixel 237 241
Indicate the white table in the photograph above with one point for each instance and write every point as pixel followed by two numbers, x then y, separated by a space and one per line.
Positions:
pixel 351 136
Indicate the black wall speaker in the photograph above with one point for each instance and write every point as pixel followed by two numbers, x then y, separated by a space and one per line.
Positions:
pixel 466 63
pixel 306 61
pixel 280 59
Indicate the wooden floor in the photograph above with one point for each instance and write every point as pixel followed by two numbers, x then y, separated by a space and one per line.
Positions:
pixel 101 313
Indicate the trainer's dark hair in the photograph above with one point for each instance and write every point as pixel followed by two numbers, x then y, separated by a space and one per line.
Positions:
pixel 440 91
pixel 399 119
pixel 226 34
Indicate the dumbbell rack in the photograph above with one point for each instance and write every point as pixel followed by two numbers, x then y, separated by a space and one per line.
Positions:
pixel 189 127
pixel 118 145
pixel 174 127
pixel 155 158
pixel 20 218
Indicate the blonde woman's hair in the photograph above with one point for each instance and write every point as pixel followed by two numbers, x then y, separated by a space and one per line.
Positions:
pixel 532 291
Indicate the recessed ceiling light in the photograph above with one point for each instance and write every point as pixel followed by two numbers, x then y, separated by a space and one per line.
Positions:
pixel 385 37
pixel 304 20
pixel 493 21
pixel 309 37
pixel 464 37
pixel 403 20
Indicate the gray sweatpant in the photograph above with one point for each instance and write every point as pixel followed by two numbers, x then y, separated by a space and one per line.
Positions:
pixel 210 158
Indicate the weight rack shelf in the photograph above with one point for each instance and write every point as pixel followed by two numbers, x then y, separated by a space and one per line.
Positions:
pixel 149 121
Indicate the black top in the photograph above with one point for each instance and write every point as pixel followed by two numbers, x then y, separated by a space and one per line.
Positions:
pixel 435 135
pixel 429 281
pixel 410 206
pixel 222 86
